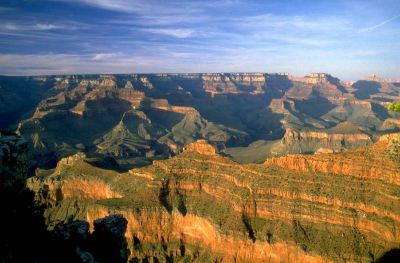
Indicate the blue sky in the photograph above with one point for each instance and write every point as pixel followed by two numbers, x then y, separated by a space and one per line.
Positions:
pixel 347 38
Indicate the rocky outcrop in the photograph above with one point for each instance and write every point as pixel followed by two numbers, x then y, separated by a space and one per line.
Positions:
pixel 162 104
pixel 295 141
pixel 129 94
pixel 51 190
pixel 219 83
pixel 201 147
pixel 390 124
pixel 69 161
pixel 375 78
pixel 133 136
pixel 314 78
pixel 352 163
pixel 291 136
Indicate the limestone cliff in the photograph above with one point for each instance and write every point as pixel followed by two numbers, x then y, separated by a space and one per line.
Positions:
pixel 311 141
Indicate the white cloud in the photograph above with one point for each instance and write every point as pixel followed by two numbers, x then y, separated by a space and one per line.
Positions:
pixel 48 64
pixel 116 5
pixel 47 26
pixel 54 64
pixel 133 6
pixel 294 39
pixel 9 26
pixel 178 33
pixel 25 27
pixel 378 25
pixel 103 56
pixel 288 23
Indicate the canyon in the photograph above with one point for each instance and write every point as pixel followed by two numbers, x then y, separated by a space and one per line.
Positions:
pixel 207 167
pixel 248 116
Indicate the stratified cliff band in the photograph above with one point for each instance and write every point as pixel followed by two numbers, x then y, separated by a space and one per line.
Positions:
pixel 202 206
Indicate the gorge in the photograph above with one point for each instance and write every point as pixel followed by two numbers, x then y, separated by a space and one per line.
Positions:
pixel 208 167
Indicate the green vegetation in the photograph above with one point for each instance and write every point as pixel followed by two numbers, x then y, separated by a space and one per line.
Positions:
pixel 393 150
pixel 394 107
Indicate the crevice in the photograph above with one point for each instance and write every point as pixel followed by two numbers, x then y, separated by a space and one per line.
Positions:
pixel 181 203
pixel 164 194
pixel 182 248
pixel 137 245
pixel 249 228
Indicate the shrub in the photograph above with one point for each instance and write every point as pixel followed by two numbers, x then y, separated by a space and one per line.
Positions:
pixel 393 150
pixel 394 107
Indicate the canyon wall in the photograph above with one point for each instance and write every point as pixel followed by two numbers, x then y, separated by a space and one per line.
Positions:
pixel 202 206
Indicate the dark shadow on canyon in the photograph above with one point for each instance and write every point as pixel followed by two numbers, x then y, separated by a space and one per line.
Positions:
pixel 365 88
pixel 390 256
pixel 24 236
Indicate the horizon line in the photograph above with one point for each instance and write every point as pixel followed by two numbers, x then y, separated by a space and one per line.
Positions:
pixel 394 80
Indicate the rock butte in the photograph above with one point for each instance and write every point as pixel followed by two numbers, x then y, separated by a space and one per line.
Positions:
pixel 200 146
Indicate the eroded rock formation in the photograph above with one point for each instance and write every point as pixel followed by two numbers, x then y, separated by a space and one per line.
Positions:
pixel 156 115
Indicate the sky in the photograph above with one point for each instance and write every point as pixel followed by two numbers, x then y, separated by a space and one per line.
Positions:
pixel 349 39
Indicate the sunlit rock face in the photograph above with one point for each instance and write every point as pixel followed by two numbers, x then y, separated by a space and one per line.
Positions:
pixel 198 205
pixel 200 146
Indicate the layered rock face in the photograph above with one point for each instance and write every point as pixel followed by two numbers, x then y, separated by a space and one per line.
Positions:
pixel 155 115
pixel 315 142
pixel 233 83
pixel 200 206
